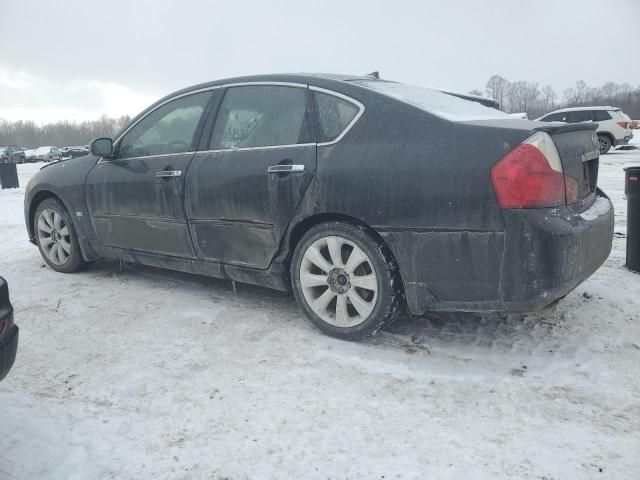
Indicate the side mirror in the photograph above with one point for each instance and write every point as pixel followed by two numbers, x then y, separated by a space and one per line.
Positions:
pixel 102 147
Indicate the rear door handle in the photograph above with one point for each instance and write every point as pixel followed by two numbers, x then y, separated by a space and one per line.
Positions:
pixel 168 173
pixel 285 168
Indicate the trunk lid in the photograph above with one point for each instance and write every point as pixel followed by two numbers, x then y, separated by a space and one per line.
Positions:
pixel 577 145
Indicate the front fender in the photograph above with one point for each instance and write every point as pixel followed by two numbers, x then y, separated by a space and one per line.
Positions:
pixel 64 181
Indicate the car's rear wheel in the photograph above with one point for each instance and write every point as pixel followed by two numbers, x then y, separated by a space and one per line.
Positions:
pixel 346 280
pixel 56 237
pixel 604 143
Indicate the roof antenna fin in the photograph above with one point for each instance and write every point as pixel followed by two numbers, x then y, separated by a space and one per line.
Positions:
pixel 375 75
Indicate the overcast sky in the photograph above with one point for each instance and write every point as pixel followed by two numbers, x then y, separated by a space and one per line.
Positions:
pixel 77 59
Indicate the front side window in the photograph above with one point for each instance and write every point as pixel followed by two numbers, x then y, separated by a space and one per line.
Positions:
pixel 261 116
pixel 554 117
pixel 334 115
pixel 168 129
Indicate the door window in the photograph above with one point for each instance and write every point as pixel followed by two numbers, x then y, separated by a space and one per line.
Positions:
pixel 334 115
pixel 261 116
pixel 600 115
pixel 554 117
pixel 578 116
pixel 168 129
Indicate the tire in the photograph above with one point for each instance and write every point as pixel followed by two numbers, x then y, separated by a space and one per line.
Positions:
pixel 605 144
pixel 327 291
pixel 52 220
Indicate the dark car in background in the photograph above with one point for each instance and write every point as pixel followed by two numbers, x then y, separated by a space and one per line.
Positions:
pixel 12 155
pixel 362 195
pixel 8 331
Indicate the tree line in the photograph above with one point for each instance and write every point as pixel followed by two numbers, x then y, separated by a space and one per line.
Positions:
pixel 535 100
pixel 28 134
pixel 513 96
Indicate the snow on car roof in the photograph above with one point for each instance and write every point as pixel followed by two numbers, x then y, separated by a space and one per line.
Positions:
pixel 434 101
pixel 575 109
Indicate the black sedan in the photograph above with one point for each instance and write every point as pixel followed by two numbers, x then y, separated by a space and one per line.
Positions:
pixel 362 195
pixel 8 331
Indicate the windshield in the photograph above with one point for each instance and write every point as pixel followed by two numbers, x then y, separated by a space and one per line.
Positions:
pixel 434 101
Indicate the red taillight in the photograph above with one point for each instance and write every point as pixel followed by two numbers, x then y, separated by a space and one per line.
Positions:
pixel 531 176
pixel 623 124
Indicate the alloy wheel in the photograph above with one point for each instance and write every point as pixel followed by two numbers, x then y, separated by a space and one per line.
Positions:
pixel 54 236
pixel 338 281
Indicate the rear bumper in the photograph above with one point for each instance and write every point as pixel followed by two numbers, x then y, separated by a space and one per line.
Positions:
pixel 541 256
pixel 8 349
pixel 623 141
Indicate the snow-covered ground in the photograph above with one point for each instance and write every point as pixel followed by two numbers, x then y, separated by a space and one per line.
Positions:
pixel 130 372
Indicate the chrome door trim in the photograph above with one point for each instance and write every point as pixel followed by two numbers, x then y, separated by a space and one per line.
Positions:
pixel 285 168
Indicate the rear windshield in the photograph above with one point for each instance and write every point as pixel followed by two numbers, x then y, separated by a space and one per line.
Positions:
pixel 433 101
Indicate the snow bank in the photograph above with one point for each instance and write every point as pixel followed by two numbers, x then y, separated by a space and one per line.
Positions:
pixel 130 372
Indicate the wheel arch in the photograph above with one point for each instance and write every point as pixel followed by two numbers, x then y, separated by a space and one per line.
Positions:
pixel 299 229
pixel 610 135
pixel 36 200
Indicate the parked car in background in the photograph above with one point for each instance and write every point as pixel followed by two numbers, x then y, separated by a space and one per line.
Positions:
pixel 46 154
pixel 361 195
pixel 8 331
pixel 614 126
pixel 73 152
pixel 12 155
pixel 29 154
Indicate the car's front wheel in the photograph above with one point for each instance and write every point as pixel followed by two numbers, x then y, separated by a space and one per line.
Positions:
pixel 56 237
pixel 346 280
pixel 605 143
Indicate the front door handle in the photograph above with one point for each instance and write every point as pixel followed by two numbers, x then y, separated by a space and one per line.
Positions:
pixel 168 173
pixel 285 168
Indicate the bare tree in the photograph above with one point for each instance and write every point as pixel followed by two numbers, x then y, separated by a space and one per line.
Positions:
pixel 496 88
pixel 549 98
pixel 62 133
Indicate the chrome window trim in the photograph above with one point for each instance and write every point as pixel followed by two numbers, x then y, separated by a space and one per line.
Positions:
pixel 159 155
pixel 206 89
pixel 361 109
pixel 351 123
pixel 266 147
pixel 194 92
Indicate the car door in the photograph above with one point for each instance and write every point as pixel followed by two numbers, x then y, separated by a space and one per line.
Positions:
pixel 136 198
pixel 243 190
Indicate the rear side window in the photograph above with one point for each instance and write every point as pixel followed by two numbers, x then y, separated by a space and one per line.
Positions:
pixel 334 115
pixel 578 116
pixel 261 116
pixel 600 115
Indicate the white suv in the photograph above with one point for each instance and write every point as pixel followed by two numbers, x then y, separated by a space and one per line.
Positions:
pixel 614 126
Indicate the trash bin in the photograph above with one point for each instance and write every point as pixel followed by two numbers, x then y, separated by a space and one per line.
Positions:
pixel 632 192
pixel 8 175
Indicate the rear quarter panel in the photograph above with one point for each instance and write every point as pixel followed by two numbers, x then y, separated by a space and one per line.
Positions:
pixel 423 184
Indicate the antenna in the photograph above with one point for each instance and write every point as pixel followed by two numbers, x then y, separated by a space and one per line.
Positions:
pixel 375 75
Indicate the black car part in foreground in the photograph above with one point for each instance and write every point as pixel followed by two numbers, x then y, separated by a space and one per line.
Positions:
pixel 8 331
pixel 360 194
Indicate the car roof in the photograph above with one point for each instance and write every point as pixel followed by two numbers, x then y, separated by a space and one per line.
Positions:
pixel 577 109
